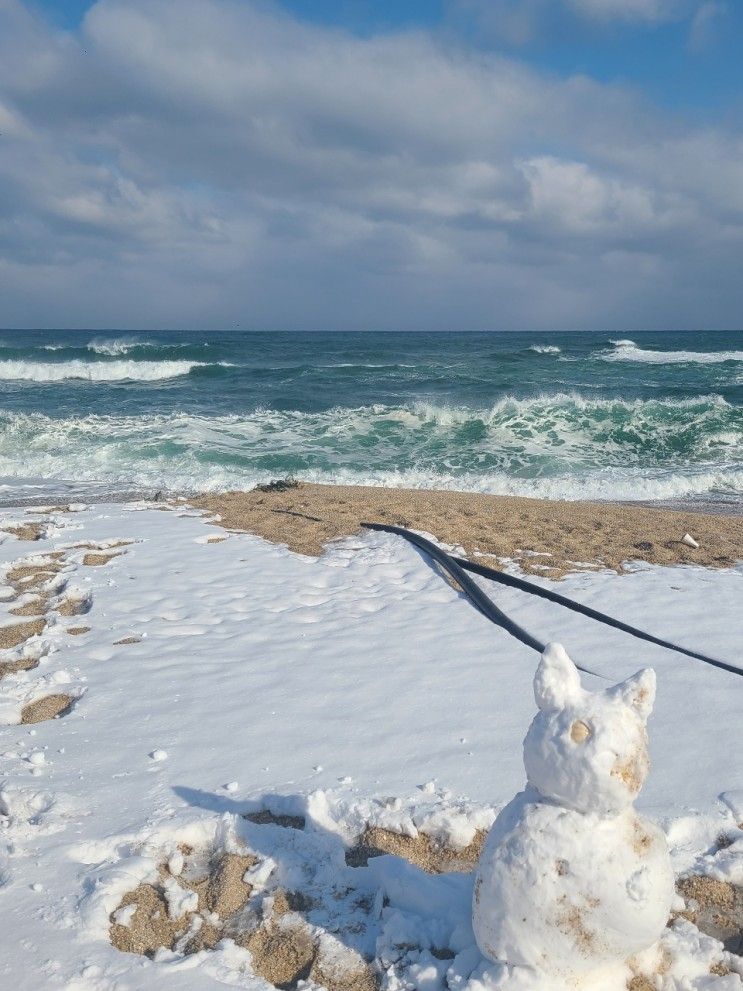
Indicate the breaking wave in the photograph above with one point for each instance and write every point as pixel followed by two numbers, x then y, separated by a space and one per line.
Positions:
pixel 118 346
pixel 561 446
pixel 95 371
pixel 626 350
pixel 545 348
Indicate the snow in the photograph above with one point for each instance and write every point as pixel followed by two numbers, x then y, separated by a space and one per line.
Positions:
pixel 180 900
pixel 357 689
pixel 572 882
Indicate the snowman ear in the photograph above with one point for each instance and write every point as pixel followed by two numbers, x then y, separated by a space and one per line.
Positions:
pixel 557 682
pixel 638 692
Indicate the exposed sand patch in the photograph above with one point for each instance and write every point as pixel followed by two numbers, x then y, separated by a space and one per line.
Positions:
pixel 76 631
pixel 283 951
pixel 125 641
pixel 22 664
pixel 150 927
pixel 641 983
pixel 215 540
pixel 96 560
pixel 225 891
pixel 45 708
pixel 18 633
pixel 720 969
pixel 213 899
pixel 34 607
pixel 307 516
pixel 218 890
pixel 27 576
pixel 26 531
pixel 74 605
pixel 352 973
pixel 715 907
pixel 421 850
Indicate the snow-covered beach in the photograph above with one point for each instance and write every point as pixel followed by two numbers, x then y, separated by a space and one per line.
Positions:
pixel 348 704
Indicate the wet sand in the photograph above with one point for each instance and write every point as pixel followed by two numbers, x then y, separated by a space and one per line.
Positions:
pixel 544 537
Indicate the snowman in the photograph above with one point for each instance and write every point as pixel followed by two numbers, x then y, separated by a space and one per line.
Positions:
pixel 573 884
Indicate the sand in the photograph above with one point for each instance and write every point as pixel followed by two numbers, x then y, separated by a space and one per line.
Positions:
pixel 34 607
pixel 284 948
pixel 18 633
pixel 421 850
pixel 26 531
pixel 97 560
pixel 550 538
pixel 715 907
pixel 22 664
pixel 45 708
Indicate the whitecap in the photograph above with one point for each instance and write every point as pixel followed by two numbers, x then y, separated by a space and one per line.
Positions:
pixel 95 371
pixel 629 351
pixel 553 446
pixel 117 346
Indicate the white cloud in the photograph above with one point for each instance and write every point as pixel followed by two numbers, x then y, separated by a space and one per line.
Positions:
pixel 705 23
pixel 214 162
pixel 578 200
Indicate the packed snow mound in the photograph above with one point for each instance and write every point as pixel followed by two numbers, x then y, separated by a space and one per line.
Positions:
pixel 573 883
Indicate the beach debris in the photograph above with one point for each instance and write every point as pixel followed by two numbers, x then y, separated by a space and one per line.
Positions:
pixel 689 540
pixel 280 485
pixel 610 893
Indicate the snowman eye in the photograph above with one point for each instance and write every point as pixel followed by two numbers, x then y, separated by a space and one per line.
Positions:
pixel 579 731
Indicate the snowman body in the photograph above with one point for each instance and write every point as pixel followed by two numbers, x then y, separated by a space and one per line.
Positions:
pixel 572 882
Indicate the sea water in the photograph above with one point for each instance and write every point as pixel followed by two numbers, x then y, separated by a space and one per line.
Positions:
pixel 654 417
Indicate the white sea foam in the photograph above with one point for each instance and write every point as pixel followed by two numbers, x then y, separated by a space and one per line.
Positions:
pixel 94 371
pixel 545 348
pixel 626 350
pixel 118 346
pixel 552 447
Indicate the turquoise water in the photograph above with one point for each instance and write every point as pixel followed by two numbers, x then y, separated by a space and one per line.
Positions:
pixel 563 415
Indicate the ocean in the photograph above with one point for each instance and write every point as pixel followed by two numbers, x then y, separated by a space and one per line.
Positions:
pixel 567 416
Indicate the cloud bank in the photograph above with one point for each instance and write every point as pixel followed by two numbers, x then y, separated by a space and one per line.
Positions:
pixel 215 163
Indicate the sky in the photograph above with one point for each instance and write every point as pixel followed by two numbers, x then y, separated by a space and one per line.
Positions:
pixel 352 165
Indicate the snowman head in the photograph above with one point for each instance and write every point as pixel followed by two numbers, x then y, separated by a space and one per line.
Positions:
pixel 588 751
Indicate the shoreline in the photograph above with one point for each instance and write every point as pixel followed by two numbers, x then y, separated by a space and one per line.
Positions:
pixel 729 505
pixel 543 537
